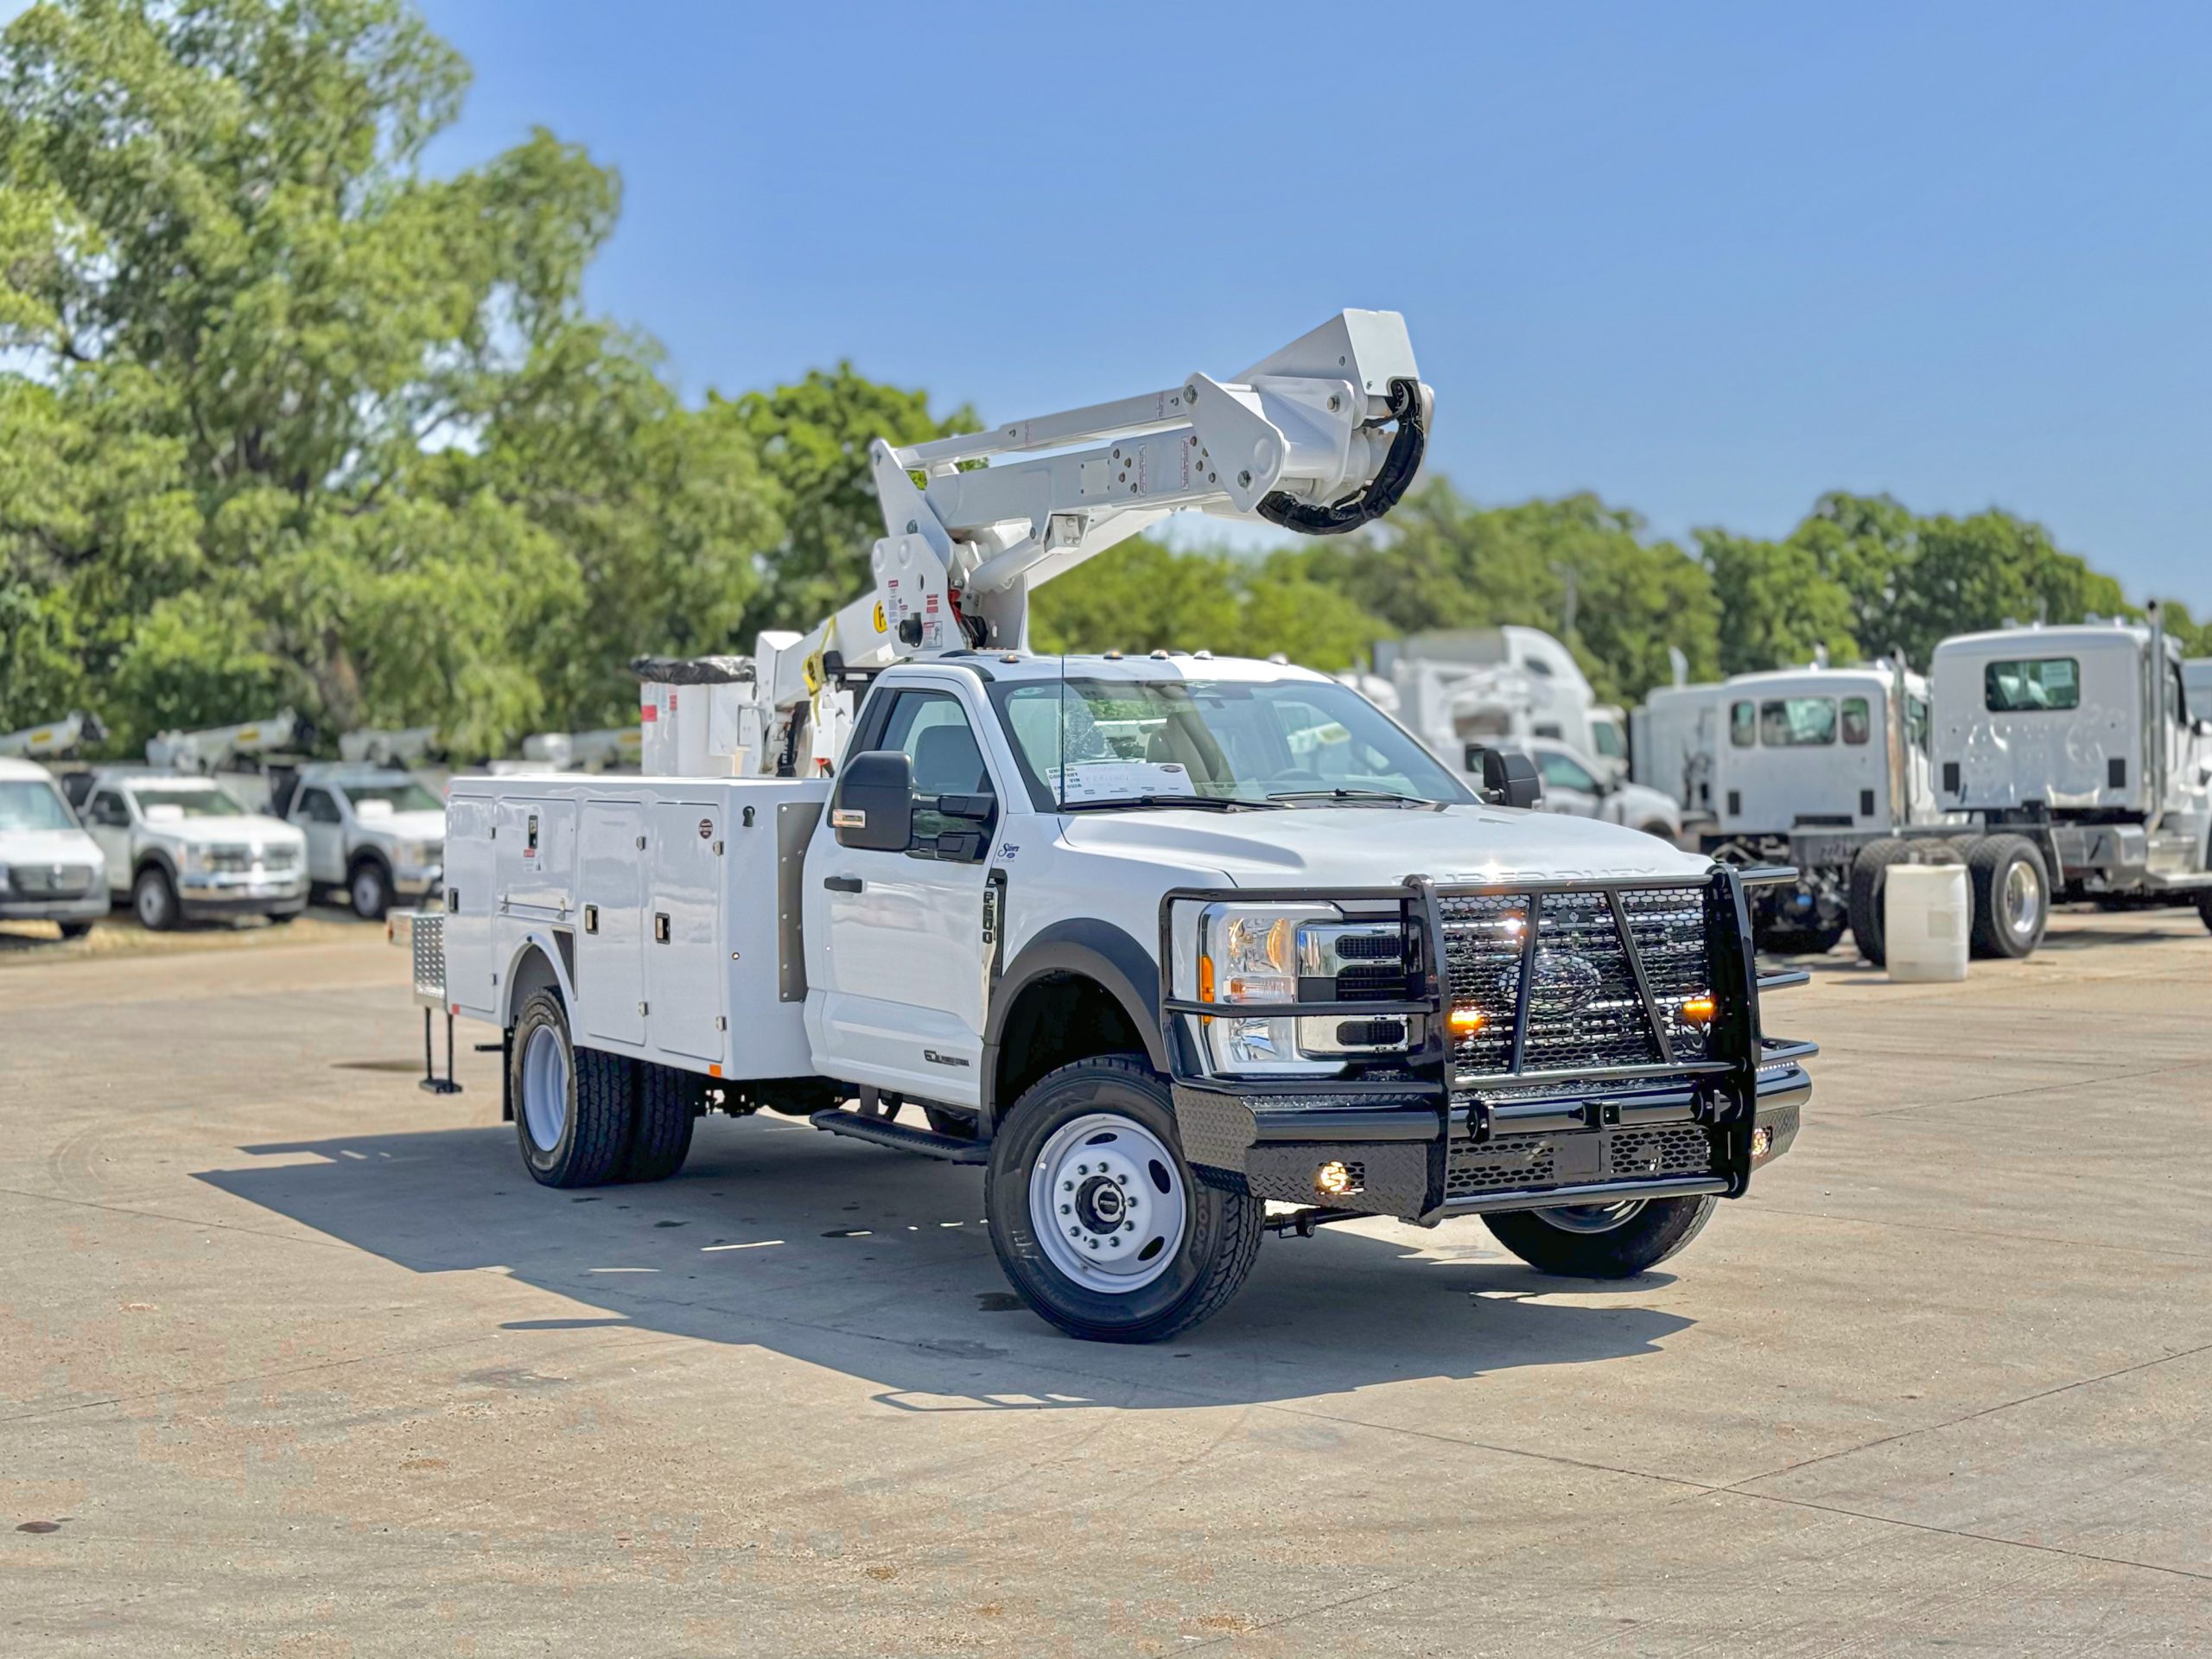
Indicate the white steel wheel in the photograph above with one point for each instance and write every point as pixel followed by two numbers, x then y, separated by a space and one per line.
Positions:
pixel 2023 909
pixel 1106 1202
pixel 545 1088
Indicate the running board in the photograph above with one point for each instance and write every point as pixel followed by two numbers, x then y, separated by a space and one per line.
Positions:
pixel 901 1137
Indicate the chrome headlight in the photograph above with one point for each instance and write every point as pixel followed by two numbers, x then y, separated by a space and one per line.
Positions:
pixel 416 854
pixel 1263 955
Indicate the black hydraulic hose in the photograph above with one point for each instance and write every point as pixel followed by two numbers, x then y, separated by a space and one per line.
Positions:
pixel 1411 406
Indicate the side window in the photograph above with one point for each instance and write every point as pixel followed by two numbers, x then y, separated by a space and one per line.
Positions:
pixel 933 728
pixel 1916 721
pixel 1743 724
pixel 1563 771
pixel 2177 696
pixel 1796 722
pixel 317 807
pixel 106 809
pixel 1857 724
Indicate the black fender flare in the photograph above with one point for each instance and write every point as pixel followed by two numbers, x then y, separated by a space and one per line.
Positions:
pixel 158 858
pixel 1095 950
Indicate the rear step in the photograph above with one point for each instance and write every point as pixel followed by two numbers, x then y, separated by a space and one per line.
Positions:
pixel 900 1137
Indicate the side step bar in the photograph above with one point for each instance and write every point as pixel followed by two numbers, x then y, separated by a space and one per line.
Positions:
pixel 901 1137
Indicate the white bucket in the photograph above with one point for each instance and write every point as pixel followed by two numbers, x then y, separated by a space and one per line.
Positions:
pixel 1927 913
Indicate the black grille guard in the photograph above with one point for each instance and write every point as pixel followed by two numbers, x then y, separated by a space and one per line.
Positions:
pixel 1426 1077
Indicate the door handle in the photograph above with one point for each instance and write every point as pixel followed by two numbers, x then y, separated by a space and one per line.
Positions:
pixel 660 927
pixel 842 883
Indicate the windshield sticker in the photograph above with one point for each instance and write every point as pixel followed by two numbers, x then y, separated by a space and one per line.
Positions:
pixel 1117 780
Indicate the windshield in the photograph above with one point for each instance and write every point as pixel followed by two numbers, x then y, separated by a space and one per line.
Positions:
pixel 1086 742
pixel 189 802
pixel 405 797
pixel 29 804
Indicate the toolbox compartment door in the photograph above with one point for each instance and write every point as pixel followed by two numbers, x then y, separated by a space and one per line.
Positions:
pixel 470 901
pixel 611 924
pixel 682 929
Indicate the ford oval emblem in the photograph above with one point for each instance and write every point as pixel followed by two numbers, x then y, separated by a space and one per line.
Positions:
pixel 1565 983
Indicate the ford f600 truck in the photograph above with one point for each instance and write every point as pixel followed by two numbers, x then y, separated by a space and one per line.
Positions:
pixel 1157 941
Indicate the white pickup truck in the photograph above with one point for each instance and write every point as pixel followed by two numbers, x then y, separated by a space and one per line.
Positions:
pixel 1158 941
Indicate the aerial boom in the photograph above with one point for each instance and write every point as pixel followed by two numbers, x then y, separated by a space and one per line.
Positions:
pixel 1320 437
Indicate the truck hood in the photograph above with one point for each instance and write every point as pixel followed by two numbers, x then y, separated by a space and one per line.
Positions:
pixel 49 847
pixel 1373 847
pixel 405 826
pixel 253 829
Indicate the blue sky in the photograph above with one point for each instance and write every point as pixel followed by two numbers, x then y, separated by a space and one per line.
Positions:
pixel 1707 260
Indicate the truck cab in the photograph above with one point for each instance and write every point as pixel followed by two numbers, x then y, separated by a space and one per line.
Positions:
pixel 2085 735
pixel 183 848
pixel 378 832
pixel 50 869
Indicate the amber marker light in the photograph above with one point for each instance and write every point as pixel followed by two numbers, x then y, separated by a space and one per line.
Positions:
pixel 1467 1021
pixel 1699 1010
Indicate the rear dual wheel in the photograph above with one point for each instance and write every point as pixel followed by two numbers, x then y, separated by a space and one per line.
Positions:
pixel 583 1117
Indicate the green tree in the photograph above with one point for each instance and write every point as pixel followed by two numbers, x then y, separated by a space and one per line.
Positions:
pixel 812 439
pixel 304 423
pixel 1778 605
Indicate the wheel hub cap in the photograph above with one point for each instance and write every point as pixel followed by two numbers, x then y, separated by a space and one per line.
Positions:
pixel 1108 1204
pixel 545 1088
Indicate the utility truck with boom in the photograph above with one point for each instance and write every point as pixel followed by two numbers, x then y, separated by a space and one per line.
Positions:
pixel 1153 940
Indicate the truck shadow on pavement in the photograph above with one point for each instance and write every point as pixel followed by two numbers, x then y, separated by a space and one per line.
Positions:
pixel 877 1264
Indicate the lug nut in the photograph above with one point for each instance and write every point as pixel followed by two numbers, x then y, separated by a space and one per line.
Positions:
pixel 1066 1210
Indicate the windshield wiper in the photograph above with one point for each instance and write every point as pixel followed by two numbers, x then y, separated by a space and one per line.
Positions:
pixel 1390 795
pixel 1211 803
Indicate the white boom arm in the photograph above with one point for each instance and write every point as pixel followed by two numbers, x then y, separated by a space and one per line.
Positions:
pixel 1301 439
pixel 385 748
pixel 210 750
pixel 56 738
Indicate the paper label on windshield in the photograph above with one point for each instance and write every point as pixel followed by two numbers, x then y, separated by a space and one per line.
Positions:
pixel 1118 780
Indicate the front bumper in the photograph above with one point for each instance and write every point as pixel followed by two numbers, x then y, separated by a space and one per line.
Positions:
pixel 422 883
pixel 225 892
pixel 1424 1142
pixel 42 907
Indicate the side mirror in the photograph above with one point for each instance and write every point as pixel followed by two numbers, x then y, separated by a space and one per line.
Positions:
pixel 1509 777
pixel 873 807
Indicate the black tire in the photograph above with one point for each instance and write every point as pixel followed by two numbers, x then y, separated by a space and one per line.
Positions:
pixel 2011 897
pixel 278 918
pixel 1811 939
pixel 153 900
pixel 1221 1231
pixel 660 1134
pixel 1869 875
pixel 601 1102
pixel 2204 909
pixel 74 930
pixel 1647 1237
pixel 945 1120
pixel 1660 828
pixel 368 889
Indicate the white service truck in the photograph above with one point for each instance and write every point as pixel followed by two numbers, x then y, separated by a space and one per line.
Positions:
pixel 1155 940
pixel 1676 744
pixel 183 848
pixel 375 832
pixel 50 869
pixel 1463 690
pixel 1579 784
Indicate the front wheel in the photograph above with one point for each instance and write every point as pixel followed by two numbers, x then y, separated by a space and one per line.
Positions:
pixel 1100 1224
pixel 1602 1241
pixel 153 899
pixel 370 889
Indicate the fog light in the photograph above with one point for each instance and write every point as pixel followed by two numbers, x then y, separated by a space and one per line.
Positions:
pixel 1335 1180
pixel 1762 1142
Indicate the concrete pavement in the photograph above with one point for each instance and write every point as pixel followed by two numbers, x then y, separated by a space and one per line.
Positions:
pixel 296 1359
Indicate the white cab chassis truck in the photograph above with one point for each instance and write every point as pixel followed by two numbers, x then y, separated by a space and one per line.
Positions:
pixel 2083 742
pixel 1156 942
